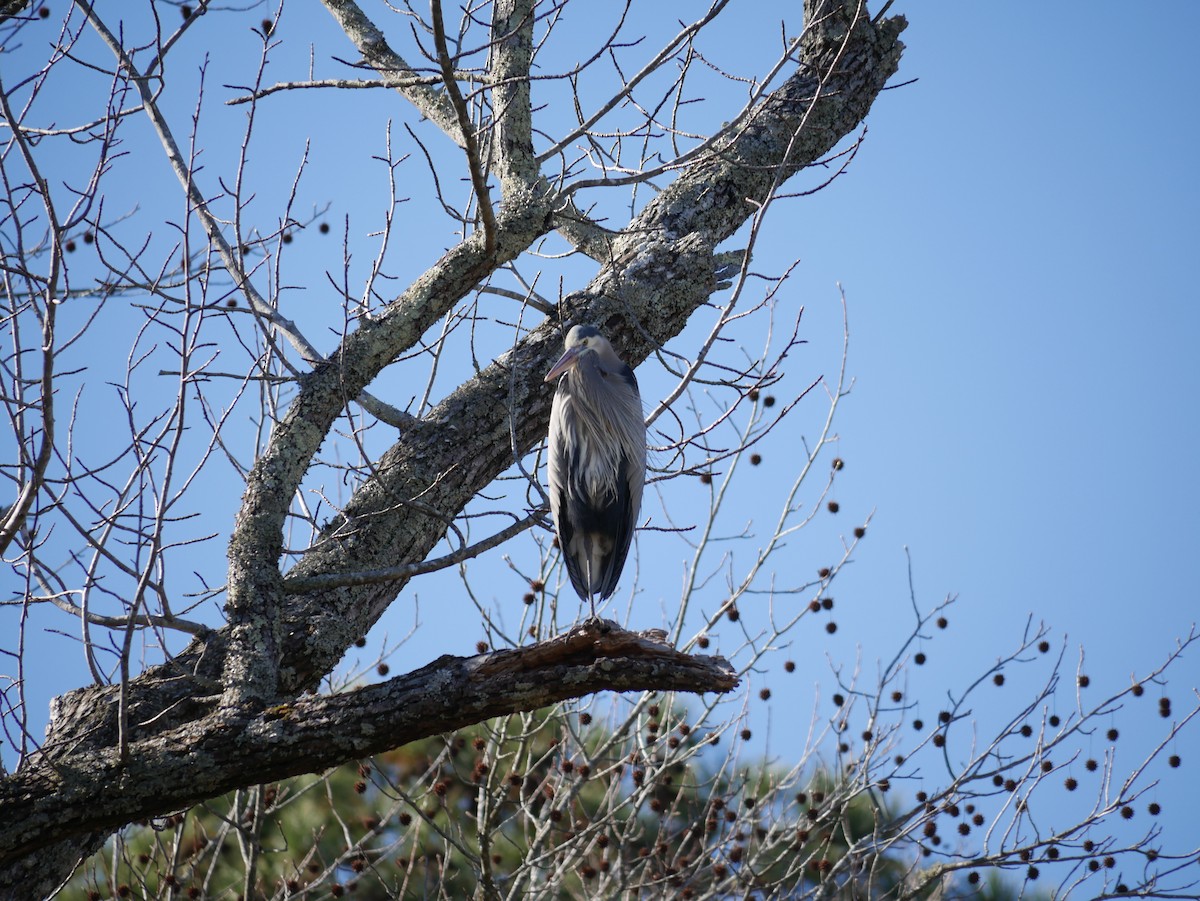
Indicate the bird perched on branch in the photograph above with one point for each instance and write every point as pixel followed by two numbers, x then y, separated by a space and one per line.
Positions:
pixel 597 461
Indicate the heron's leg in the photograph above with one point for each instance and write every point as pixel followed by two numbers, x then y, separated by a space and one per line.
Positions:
pixel 587 571
pixel 588 567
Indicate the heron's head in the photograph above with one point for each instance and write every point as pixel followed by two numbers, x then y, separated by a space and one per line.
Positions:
pixel 581 339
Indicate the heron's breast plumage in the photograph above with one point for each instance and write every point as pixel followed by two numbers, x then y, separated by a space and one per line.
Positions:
pixel 597 463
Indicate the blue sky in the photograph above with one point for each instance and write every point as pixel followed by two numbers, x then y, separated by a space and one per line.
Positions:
pixel 1024 320
pixel 1016 240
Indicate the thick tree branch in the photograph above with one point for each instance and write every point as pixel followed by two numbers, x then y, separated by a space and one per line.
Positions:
pixel 512 55
pixel 209 757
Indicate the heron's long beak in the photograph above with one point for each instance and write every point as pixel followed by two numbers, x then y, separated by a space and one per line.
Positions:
pixel 565 362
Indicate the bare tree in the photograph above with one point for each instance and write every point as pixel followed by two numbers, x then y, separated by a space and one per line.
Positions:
pixel 576 156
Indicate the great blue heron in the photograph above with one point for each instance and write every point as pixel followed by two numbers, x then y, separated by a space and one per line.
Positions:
pixel 597 464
